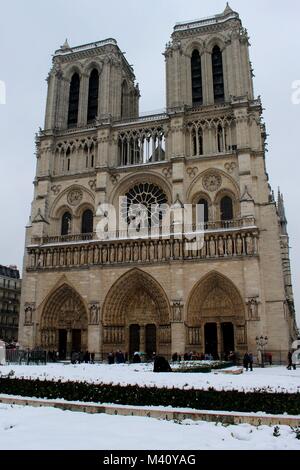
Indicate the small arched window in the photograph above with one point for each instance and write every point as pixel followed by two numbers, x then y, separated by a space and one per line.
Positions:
pixel 203 211
pixel 93 96
pixel 226 208
pixel 74 100
pixel 218 76
pixel 87 222
pixel 197 92
pixel 66 223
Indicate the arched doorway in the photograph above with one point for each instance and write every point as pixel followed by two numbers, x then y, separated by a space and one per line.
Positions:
pixel 136 316
pixel 64 323
pixel 216 310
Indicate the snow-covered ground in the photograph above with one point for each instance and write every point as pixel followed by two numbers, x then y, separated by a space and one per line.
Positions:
pixel 26 428
pixel 271 378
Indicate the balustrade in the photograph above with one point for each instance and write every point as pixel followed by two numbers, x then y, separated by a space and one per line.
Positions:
pixel 225 244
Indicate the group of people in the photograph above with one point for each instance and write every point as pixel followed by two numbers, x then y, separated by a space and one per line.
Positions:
pixel 117 358
pixel 82 357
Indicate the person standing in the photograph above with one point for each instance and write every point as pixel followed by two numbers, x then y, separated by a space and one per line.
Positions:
pixel 290 361
pixel 251 361
pixel 246 362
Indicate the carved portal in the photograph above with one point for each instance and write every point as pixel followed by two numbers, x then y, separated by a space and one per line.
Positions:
pixel 136 299
pixel 215 298
pixel 63 311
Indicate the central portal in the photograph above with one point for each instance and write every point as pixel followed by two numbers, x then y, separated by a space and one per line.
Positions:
pixel 143 339
pixel 136 316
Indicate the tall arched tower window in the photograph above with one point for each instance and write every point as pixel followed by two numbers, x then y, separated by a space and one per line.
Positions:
pixel 226 208
pixel 218 75
pixel 74 100
pixel 197 92
pixel 124 100
pixel 66 223
pixel 93 96
pixel 87 222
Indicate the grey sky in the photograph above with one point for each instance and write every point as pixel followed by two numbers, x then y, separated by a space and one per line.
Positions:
pixel 31 30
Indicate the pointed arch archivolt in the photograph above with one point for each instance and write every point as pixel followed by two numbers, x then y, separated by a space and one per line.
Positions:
pixel 213 297
pixel 64 308
pixel 135 284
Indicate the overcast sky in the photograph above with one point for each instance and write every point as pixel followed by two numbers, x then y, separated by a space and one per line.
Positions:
pixel 31 30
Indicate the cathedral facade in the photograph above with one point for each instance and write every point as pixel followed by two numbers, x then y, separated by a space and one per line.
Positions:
pixel 153 294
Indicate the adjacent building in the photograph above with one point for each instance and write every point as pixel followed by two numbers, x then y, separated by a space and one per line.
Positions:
pixel 206 149
pixel 10 295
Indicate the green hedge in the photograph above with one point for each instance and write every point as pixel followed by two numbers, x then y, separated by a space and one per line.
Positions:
pixel 275 403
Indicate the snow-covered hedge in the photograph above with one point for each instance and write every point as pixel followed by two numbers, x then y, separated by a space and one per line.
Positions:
pixel 258 401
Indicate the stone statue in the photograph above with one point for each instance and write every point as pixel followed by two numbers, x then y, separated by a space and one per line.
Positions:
pixel 128 253
pixel 120 253
pixel 159 251
pixel 229 246
pixel 136 252
pixel 212 247
pixel 104 255
pixel 82 257
pixel 176 249
pixel 152 251
pixel 94 314
pixel 239 245
pixel 221 246
pixel 144 252
pixel 75 257
pixel 177 311
pixel 253 309
pixel 249 245
pixel 28 315
pixel 91 255
pixel 112 254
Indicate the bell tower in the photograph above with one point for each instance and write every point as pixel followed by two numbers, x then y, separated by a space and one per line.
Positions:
pixel 207 61
pixel 89 83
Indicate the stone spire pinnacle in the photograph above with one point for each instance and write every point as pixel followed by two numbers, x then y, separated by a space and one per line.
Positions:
pixel 281 212
pixel 65 45
pixel 228 9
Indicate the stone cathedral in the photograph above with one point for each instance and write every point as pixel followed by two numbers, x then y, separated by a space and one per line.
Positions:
pixel 208 148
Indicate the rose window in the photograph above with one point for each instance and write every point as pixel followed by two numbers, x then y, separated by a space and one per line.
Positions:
pixel 146 201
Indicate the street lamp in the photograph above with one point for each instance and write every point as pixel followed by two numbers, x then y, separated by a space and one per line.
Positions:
pixel 260 344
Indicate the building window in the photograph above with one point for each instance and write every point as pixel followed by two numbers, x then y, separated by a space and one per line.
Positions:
pixel 93 96
pixel 74 100
pixel 149 197
pixel 226 208
pixel 197 142
pixel 203 202
pixel 197 92
pixel 66 223
pixel 87 223
pixel 218 76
